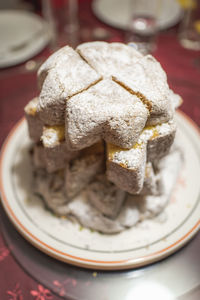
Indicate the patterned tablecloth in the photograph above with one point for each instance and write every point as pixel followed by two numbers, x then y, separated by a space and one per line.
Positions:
pixel 16 89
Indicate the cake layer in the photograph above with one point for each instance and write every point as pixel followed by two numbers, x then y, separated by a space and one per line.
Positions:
pixel 105 196
pixel 56 153
pixel 152 183
pixel 82 170
pixel 126 168
pixel 35 125
pixel 107 59
pixel 106 111
pixel 140 75
pixel 66 75
pixel 148 81
pixel 134 208
pixel 63 75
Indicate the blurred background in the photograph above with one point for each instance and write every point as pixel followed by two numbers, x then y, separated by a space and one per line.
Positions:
pixel 27 26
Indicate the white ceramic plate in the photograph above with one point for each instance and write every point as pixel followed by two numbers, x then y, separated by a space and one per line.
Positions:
pixel 22 35
pixel 117 13
pixel 145 243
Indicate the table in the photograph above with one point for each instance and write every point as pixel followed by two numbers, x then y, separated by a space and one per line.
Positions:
pixel 16 89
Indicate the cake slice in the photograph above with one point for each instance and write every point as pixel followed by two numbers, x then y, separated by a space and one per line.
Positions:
pixel 82 170
pixel 152 183
pixel 148 81
pixel 35 125
pixel 56 153
pixel 106 111
pixel 160 139
pixel 63 75
pixel 39 160
pixel 108 58
pixel 126 168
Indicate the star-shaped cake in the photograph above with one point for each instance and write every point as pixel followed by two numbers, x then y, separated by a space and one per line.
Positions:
pixel 106 110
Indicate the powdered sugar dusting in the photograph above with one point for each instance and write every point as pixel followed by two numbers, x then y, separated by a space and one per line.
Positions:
pixel 107 59
pixel 50 137
pixel 129 158
pixel 31 107
pixel 65 75
pixel 147 77
pixel 106 111
pixel 151 132
pixel 110 92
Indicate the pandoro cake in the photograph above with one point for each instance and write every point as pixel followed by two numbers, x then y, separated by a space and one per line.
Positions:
pixel 103 130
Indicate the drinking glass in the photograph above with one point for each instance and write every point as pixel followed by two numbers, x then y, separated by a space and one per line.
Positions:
pixel 142 27
pixel 189 31
pixel 62 20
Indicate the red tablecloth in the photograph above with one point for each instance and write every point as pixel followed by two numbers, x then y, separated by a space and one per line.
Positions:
pixel 183 70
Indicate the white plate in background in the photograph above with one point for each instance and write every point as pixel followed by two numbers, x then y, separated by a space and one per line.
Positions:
pixel 117 13
pixel 22 36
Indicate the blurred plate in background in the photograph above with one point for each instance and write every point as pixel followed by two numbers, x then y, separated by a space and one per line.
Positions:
pixel 22 34
pixel 117 13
